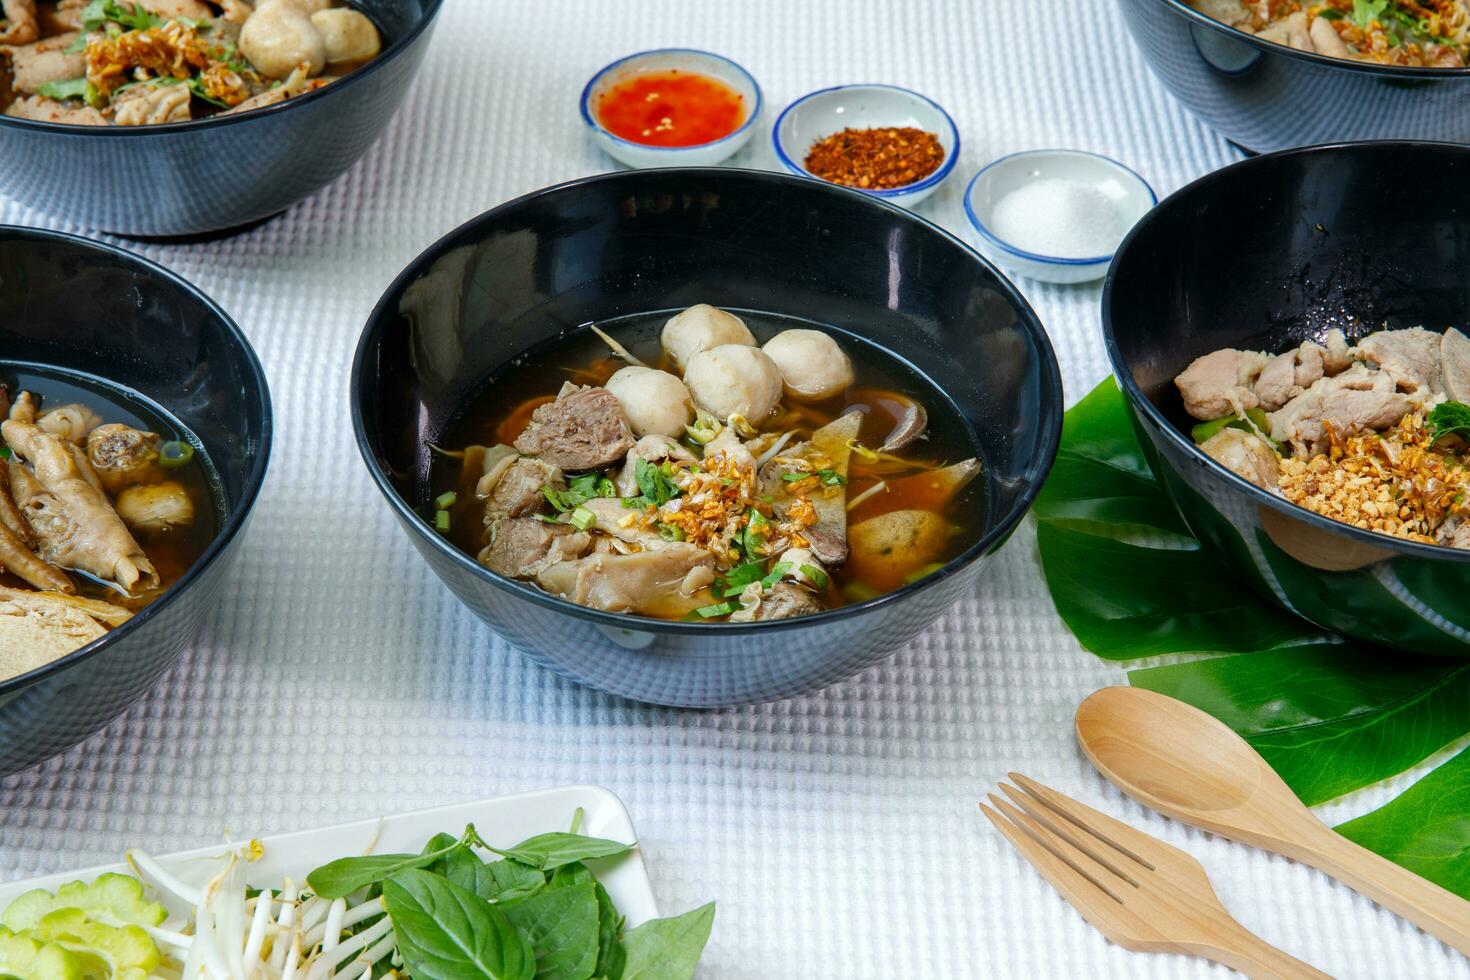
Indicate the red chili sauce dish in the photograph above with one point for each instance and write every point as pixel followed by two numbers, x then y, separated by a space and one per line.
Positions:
pixel 671 108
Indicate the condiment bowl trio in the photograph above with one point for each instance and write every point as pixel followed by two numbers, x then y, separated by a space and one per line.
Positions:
pixel 868 270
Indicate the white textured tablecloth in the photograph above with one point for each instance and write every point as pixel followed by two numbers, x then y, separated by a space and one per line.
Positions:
pixel 837 832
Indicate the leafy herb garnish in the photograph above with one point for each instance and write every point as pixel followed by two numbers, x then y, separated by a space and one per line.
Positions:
pixel 130 16
pixel 344 876
pixel 580 489
pixel 72 88
pixel 1365 12
pixel 1449 419
pixel 655 483
pixel 828 478
pixel 753 538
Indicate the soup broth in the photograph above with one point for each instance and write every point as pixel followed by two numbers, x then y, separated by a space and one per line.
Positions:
pixel 877 490
pixel 172 549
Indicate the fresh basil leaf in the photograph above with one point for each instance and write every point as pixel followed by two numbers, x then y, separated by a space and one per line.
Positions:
pixel 1125 601
pixel 568 875
pixel 508 879
pixel 1329 718
pixel 340 878
pixel 561 925
pixel 1424 829
pixel 667 949
pixel 1100 475
pixel 550 851
pixel 445 932
pixel 611 957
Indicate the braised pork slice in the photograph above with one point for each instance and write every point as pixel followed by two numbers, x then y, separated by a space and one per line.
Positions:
pixel 584 429
pixel 1221 383
pixel 73 520
pixel 1357 400
pixel 34 65
pixel 785 600
pixel 523 547
pixel 18 24
pixel 624 524
pixel 1409 357
pixel 646 583
pixel 42 109
pixel 1455 362
pixel 1288 375
pixel 516 490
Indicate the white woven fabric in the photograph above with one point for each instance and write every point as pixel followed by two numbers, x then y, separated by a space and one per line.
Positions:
pixel 838 832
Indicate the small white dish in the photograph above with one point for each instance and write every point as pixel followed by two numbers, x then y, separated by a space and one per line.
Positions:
pixel 1128 193
pixel 641 155
pixel 816 116
pixel 502 822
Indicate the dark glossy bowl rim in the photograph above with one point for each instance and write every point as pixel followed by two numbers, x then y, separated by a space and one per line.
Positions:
pixel 254 478
pixel 1123 373
pixel 1345 64
pixel 431 11
pixel 377 320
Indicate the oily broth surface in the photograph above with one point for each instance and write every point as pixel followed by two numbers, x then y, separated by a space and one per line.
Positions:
pixel 502 406
pixel 173 551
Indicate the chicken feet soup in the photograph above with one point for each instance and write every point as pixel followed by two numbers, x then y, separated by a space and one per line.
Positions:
pixel 1415 33
pixel 1373 435
pixel 121 63
pixel 103 506
pixel 711 468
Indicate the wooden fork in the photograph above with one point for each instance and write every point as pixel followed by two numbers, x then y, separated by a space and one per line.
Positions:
pixel 1139 892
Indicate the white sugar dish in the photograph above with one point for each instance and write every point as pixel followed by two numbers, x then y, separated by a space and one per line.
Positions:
pixel 1055 215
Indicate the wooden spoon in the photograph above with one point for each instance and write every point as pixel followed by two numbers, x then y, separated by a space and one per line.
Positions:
pixel 1180 761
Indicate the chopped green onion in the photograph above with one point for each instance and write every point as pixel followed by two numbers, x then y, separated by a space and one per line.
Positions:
pixel 739 577
pixel 446 500
pixel 583 519
pixel 670 532
pixel 779 571
pixel 718 609
pixel 814 575
pixel 441 521
pixel 796 477
pixel 172 455
pixel 831 478
pixel 5 453
pixel 859 592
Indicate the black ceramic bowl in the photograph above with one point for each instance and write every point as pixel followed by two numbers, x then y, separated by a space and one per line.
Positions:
pixel 1266 96
pixel 223 172
pixel 1262 255
pixel 95 310
pixel 662 240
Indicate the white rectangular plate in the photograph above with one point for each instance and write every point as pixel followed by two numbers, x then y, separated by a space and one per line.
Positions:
pixel 502 822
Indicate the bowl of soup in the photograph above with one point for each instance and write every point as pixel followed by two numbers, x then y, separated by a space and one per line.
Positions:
pixel 1270 76
pixel 135 430
pixel 705 437
pixel 196 116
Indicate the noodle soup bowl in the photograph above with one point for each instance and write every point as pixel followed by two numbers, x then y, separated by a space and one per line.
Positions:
pixel 661 240
pixel 1313 251
pixel 95 311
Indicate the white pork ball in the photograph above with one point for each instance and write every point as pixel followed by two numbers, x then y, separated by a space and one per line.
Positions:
pixel 702 327
pixel 733 379
pixel 811 363
pixel 655 402
pixel 349 36
pixel 279 36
